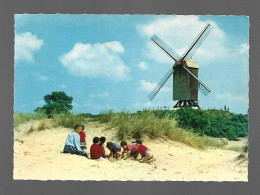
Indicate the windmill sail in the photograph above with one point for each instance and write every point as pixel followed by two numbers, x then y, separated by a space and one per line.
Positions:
pixel 180 63
pixel 167 49
pixel 201 85
pixel 158 87
pixel 202 89
pixel 197 42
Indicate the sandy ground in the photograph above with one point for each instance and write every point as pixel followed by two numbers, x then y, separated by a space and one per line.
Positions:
pixel 38 156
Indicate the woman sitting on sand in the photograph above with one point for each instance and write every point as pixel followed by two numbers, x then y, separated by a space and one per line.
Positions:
pixel 146 153
pixel 72 144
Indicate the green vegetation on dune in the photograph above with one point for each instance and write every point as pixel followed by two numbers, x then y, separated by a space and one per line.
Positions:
pixel 192 127
pixel 214 123
pixel 67 119
pixel 58 119
pixel 20 118
pixel 147 124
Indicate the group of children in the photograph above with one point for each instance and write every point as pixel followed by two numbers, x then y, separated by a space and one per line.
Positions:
pixel 76 144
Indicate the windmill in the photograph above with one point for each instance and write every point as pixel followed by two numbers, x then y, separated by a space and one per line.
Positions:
pixel 185 72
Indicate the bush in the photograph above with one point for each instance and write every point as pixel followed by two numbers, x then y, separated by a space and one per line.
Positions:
pixel 193 119
pixel 214 123
pixel 164 113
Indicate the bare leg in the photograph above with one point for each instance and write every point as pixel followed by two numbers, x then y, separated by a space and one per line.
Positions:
pixel 148 157
pixel 117 155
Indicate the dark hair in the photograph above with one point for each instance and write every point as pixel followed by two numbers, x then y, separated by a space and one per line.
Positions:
pixel 109 145
pixel 82 126
pixel 123 143
pixel 77 126
pixel 138 141
pixel 96 140
pixel 103 139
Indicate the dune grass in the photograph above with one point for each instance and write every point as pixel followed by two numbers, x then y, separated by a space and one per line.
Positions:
pixel 62 119
pixel 44 124
pixel 20 118
pixel 68 120
pixel 146 124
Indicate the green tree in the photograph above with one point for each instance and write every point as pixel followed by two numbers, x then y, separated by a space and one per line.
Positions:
pixel 58 102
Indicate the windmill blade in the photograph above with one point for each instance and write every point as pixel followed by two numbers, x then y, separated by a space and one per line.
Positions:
pixel 158 87
pixel 202 89
pixel 197 42
pixel 201 85
pixel 167 49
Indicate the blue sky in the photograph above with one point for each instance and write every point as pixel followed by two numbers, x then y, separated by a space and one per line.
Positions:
pixel 108 61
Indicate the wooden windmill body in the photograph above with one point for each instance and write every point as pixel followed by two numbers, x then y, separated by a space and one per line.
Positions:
pixel 185 72
pixel 184 85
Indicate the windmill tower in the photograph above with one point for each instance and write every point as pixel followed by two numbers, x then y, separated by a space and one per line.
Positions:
pixel 185 72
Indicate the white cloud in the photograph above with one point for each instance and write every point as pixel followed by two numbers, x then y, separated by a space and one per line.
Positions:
pixel 43 78
pixel 99 95
pixel 25 46
pixel 179 32
pixel 244 48
pixel 142 66
pixel 96 60
pixel 232 97
pixel 148 87
pixel 39 103
pixel 63 86
pixel 75 104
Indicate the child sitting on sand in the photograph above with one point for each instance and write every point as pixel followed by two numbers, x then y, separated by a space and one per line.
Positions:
pixel 129 149
pixel 115 149
pixel 82 135
pixel 72 144
pixel 146 153
pixel 96 151
pixel 101 143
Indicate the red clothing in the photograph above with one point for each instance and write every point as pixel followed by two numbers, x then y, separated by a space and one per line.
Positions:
pixel 131 147
pixel 82 136
pixel 141 149
pixel 96 152
pixel 102 146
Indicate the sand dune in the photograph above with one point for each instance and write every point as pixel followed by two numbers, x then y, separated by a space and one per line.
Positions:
pixel 39 156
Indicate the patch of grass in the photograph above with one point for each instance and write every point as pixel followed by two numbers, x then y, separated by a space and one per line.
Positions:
pixel 31 130
pixel 20 118
pixel 68 120
pixel 147 124
pixel 106 116
pixel 236 148
pixel 43 125
pixel 245 148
